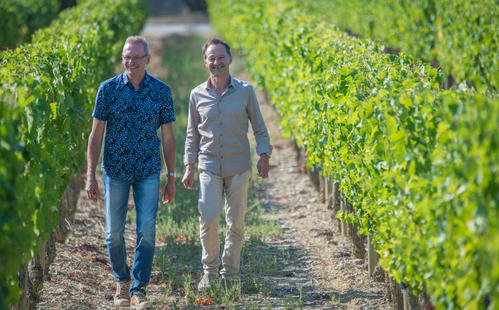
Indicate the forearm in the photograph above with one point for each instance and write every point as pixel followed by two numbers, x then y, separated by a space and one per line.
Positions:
pixel 94 147
pixel 169 150
pixel 168 146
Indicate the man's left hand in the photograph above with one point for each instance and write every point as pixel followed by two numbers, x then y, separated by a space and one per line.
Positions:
pixel 169 192
pixel 263 166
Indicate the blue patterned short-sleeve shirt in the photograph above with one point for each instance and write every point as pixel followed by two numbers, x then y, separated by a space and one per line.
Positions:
pixel 132 146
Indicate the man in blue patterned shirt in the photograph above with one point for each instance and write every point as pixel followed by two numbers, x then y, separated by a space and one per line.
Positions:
pixel 130 108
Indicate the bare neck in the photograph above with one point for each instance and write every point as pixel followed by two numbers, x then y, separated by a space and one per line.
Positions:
pixel 136 80
pixel 220 82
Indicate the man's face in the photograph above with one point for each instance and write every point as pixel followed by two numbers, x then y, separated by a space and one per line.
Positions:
pixel 217 60
pixel 134 59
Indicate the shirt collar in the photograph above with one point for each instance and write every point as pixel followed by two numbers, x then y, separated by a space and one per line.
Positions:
pixel 232 83
pixel 145 82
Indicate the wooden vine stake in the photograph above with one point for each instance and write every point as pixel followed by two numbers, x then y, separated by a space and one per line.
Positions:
pixel 344 226
pixel 372 257
pixel 405 299
pixel 327 191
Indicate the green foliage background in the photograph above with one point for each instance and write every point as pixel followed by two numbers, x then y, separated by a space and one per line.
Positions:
pixel 19 19
pixel 47 94
pixel 463 36
pixel 419 164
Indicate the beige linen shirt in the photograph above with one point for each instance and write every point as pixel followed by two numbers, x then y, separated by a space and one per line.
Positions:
pixel 217 128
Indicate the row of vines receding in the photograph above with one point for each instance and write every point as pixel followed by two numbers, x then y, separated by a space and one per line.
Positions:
pixel 419 164
pixel 47 93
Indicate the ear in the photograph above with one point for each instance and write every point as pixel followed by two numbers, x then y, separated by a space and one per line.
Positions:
pixel 148 59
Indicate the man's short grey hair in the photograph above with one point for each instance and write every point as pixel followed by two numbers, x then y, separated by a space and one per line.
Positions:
pixel 138 39
pixel 215 41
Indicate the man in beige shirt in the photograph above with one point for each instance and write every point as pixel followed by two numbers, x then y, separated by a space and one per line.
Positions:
pixel 219 111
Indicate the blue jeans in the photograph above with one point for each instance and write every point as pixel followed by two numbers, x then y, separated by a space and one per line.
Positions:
pixel 145 194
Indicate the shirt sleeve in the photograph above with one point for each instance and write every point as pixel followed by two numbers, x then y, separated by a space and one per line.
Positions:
pixel 101 109
pixel 258 124
pixel 193 137
pixel 167 111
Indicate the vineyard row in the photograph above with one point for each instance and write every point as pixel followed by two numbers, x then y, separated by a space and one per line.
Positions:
pixel 420 165
pixel 462 36
pixel 47 94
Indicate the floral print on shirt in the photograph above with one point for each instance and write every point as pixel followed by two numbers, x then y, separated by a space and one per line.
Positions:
pixel 132 146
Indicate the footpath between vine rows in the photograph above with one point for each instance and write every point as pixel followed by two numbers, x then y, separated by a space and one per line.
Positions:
pixel 316 268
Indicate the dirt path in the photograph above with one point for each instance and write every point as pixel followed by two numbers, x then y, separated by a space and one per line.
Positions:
pixel 316 269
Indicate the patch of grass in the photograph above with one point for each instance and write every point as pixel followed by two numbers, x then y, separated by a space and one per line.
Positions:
pixel 255 225
pixel 289 304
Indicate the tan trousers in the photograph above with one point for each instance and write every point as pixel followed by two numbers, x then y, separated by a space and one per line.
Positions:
pixel 213 190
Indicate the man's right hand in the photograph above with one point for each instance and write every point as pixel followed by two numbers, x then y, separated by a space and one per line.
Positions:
pixel 188 179
pixel 92 188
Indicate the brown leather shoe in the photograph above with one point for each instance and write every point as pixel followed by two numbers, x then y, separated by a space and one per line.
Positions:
pixel 122 295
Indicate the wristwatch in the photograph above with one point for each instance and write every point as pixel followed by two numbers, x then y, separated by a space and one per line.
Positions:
pixel 170 174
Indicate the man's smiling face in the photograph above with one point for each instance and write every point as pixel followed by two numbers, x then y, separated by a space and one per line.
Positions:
pixel 217 60
pixel 134 59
